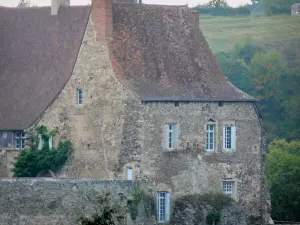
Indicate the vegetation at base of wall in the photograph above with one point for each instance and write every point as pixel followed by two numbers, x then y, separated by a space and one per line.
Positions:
pixel 214 202
pixel 106 210
pixel 32 161
pixel 283 168
pixel 139 196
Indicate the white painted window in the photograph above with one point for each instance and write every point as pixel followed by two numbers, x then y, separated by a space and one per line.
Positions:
pixel 210 137
pixel 171 136
pixel 228 188
pixel 50 142
pixel 41 142
pixel 129 173
pixel 163 207
pixel 229 137
pixel 20 140
pixel 79 96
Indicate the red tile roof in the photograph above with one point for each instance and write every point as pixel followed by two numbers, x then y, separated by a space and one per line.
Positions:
pixel 160 53
pixel 37 55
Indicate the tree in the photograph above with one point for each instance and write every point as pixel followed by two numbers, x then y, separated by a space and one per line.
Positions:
pixel 283 169
pixel 218 4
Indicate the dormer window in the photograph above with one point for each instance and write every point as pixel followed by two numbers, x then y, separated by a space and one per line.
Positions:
pixel 79 96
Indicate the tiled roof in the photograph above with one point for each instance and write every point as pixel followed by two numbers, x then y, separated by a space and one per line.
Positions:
pixel 160 53
pixel 37 55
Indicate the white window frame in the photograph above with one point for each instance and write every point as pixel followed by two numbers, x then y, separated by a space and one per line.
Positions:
pixel 19 140
pixel 41 142
pixel 129 173
pixel 79 96
pixel 229 187
pixel 210 137
pixel 171 136
pixel 229 139
pixel 163 207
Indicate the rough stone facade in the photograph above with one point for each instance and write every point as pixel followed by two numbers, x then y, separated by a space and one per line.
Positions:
pixel 113 130
pixel 56 201
pixel 295 9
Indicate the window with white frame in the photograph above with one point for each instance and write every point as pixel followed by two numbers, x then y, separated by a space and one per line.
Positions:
pixel 163 206
pixel 129 173
pixel 229 137
pixel 19 140
pixel 41 142
pixel 228 188
pixel 79 96
pixel 171 136
pixel 210 137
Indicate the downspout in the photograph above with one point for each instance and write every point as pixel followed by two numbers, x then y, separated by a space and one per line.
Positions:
pixel 261 163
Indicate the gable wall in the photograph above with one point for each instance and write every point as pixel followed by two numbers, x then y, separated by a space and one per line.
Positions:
pixel 95 128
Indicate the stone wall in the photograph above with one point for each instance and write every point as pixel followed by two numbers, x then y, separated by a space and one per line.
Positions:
pixel 190 169
pixel 54 201
pixel 95 127
pixel 7 160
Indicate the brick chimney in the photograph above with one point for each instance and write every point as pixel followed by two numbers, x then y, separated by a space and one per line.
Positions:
pixel 102 18
pixel 55 4
pixel 196 15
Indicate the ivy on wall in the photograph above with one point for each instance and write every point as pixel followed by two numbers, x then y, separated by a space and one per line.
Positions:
pixel 32 161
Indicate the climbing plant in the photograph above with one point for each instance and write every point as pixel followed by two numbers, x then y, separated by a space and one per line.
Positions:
pixel 139 196
pixel 31 161
pixel 106 211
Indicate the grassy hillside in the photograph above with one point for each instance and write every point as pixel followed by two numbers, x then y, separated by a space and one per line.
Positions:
pixel 280 31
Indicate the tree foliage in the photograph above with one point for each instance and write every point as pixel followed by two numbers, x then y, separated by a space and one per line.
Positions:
pixel 32 161
pixel 106 210
pixel 283 167
pixel 218 4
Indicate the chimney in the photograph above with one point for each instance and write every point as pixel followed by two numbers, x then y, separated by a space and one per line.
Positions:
pixel 196 15
pixel 55 4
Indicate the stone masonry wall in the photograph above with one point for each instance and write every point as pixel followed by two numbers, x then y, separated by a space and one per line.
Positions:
pixel 295 9
pixel 95 127
pixel 54 201
pixel 190 169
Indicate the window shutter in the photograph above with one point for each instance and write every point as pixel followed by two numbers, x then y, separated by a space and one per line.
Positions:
pixel 224 137
pixel 233 137
pixel 50 142
pixel 40 142
pixel 166 137
pixel 176 136
pixel 167 206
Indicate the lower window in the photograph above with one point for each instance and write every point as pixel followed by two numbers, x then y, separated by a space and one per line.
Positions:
pixel 163 207
pixel 229 188
pixel 20 140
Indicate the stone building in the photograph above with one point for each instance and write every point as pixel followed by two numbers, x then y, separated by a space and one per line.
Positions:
pixel 295 9
pixel 138 92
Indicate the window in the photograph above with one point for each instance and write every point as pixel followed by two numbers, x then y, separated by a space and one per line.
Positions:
pixel 129 173
pixel 228 188
pixel 20 140
pixel 171 136
pixel 210 137
pixel 79 96
pixel 6 139
pixel 41 142
pixel 229 137
pixel 163 207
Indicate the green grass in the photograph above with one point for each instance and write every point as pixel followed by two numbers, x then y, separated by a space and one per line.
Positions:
pixel 223 32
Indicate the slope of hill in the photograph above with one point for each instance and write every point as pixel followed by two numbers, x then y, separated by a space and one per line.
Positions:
pixel 223 32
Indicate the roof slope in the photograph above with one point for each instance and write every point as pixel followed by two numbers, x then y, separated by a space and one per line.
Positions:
pixel 37 55
pixel 160 53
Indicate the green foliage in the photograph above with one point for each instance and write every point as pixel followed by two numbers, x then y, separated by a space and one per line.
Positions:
pixel 217 4
pixel 141 197
pixel 271 7
pixel 213 217
pixel 283 167
pixel 222 11
pixel 217 201
pixel 107 212
pixel 32 161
